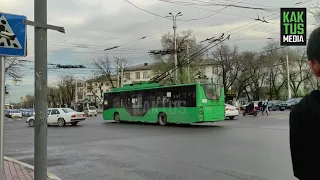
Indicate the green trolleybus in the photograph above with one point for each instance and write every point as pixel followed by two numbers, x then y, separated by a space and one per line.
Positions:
pixel 153 103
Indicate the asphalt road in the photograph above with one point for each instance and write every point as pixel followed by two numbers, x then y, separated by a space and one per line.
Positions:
pixel 249 148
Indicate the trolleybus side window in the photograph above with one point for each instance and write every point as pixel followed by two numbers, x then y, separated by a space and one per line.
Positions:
pixel 116 100
pixel 107 103
pixel 137 106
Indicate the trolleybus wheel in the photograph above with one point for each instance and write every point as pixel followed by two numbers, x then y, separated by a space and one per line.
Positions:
pixel 116 117
pixel 162 118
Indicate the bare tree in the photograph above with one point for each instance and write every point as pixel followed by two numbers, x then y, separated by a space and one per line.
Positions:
pixel 299 70
pixel 107 68
pixel 13 66
pixel 227 59
pixel 67 86
pixel 54 96
pixel 258 72
pixel 93 87
pixel 273 59
pixel 165 60
pixel 243 78
pixel 28 101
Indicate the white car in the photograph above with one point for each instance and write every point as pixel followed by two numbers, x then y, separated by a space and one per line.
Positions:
pixel 231 111
pixel 60 117
pixel 15 114
pixel 90 111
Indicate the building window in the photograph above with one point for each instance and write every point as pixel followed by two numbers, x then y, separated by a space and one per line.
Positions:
pixel 127 75
pixel 216 71
pixel 137 75
pixel 80 89
pixel 80 96
pixel 145 75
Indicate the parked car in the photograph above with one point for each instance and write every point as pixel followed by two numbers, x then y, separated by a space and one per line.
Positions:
pixel 274 105
pixel 14 114
pixel 231 111
pixel 60 117
pixel 289 103
pixel 90 111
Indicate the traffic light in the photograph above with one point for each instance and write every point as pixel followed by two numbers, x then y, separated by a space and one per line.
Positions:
pixel 5 90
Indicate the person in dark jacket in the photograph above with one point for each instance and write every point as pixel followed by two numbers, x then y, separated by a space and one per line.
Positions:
pixel 305 122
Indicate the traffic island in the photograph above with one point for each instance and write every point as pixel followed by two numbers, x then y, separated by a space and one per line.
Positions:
pixel 14 169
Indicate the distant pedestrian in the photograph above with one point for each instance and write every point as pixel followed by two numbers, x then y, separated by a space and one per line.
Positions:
pixel 265 107
pixel 260 106
pixel 305 121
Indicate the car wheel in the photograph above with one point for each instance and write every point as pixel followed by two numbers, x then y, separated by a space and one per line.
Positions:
pixel 61 122
pixel 31 123
pixel 116 117
pixel 96 115
pixel 231 117
pixel 74 123
pixel 162 119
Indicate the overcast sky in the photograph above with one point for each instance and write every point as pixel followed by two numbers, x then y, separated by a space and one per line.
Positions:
pixel 91 26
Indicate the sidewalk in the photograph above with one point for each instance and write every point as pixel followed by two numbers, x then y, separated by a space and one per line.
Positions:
pixel 16 170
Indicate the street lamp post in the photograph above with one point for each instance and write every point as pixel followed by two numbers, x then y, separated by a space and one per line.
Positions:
pixel 174 18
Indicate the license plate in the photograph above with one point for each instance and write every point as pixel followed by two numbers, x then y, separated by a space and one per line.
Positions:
pixel 79 116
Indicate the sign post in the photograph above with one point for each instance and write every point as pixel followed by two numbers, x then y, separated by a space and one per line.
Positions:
pixel 2 94
pixel 12 43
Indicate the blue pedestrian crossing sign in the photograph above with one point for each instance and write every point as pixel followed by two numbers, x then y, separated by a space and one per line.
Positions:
pixel 13 35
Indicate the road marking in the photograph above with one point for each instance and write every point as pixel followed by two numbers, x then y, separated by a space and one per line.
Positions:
pixel 272 116
pixel 284 117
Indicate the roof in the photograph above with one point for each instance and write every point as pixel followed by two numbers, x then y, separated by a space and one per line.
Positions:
pixel 102 78
pixel 145 85
pixel 139 67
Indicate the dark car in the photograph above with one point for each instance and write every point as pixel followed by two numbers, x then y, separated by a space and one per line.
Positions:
pixel 274 105
pixel 289 103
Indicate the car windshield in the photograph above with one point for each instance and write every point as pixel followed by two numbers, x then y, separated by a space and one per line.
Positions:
pixel 68 110
pixel 92 108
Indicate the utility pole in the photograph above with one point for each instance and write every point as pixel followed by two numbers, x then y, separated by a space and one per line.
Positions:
pixel 188 67
pixel 122 69
pixel 174 18
pixel 41 84
pixel 118 74
pixel 76 95
pixel 2 102
pixel 288 77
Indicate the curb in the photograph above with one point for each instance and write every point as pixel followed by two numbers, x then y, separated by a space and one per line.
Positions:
pixel 50 176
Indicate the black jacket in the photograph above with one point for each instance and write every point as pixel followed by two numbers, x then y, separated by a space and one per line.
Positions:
pixel 305 137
